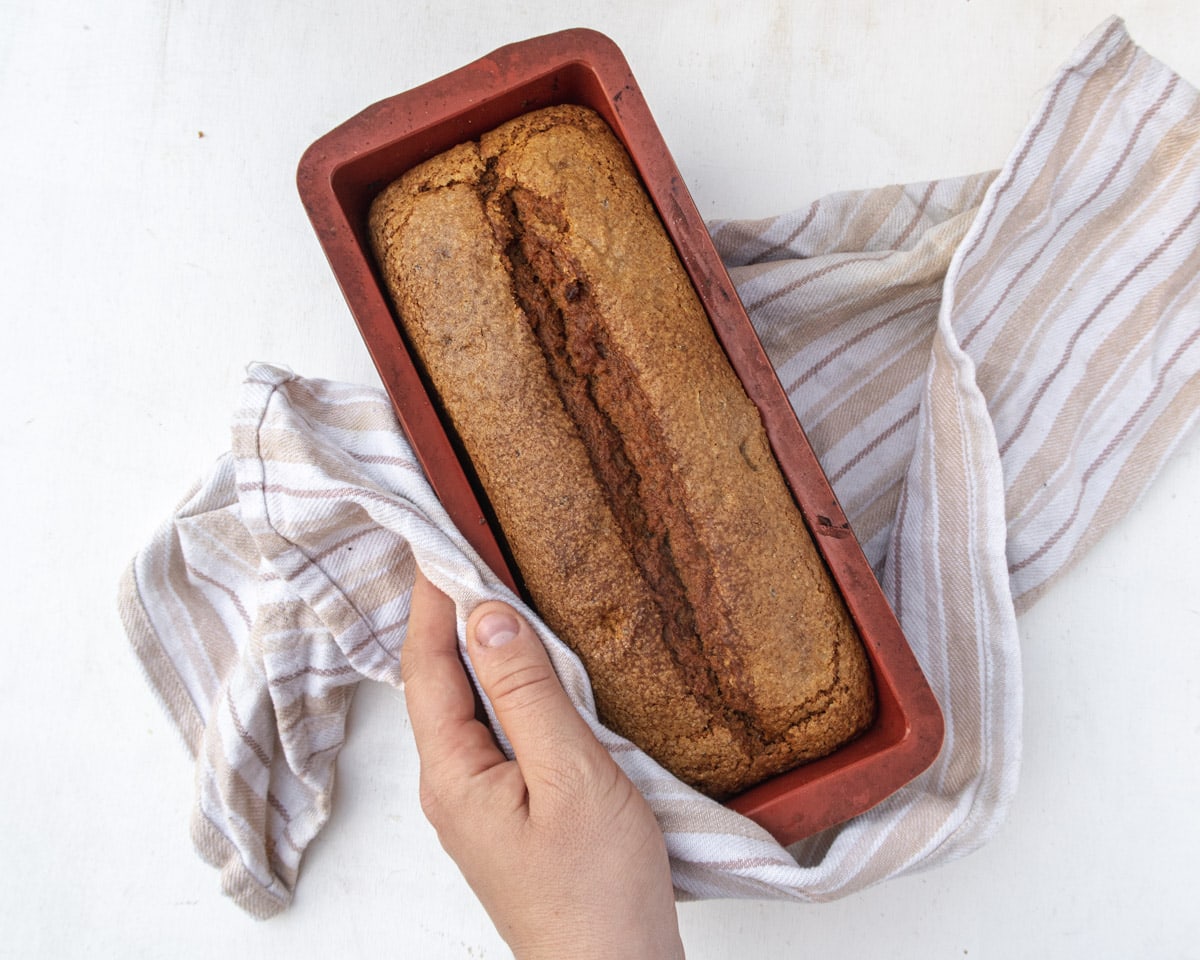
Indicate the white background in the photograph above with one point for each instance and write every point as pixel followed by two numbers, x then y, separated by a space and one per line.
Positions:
pixel 142 265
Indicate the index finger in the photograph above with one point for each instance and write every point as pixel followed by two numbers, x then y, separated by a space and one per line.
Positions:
pixel 440 699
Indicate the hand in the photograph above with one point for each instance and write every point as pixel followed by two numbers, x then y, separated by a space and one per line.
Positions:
pixel 558 845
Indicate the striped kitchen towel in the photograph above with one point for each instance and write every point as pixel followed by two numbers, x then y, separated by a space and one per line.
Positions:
pixel 991 369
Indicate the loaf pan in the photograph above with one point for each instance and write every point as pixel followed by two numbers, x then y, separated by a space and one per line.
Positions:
pixel 341 173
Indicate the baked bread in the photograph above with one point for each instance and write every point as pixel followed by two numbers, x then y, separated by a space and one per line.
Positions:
pixel 629 472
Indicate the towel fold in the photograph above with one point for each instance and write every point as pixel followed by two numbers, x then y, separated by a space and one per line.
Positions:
pixel 991 369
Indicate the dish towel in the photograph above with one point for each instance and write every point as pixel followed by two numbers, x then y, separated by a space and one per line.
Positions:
pixel 991 369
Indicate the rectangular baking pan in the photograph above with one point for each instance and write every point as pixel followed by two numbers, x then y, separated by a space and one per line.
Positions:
pixel 342 172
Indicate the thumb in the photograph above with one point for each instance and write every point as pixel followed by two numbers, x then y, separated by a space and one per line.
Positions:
pixel 512 666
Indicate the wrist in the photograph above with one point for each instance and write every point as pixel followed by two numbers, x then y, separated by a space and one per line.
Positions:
pixel 661 943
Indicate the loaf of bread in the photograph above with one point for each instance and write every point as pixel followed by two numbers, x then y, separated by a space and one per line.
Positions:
pixel 629 472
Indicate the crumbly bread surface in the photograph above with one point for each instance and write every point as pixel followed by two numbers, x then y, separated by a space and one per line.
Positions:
pixel 628 470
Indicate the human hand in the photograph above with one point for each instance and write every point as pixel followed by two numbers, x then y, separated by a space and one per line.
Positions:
pixel 558 845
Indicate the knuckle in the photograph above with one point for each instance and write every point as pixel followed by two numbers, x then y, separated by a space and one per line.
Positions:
pixel 437 803
pixel 410 667
pixel 522 686
pixel 431 802
pixel 569 782
pixel 406 668
pixel 581 780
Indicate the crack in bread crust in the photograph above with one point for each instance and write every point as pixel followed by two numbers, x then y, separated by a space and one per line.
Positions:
pixel 595 385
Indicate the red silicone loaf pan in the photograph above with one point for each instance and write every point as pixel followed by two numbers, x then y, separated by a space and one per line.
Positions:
pixel 341 174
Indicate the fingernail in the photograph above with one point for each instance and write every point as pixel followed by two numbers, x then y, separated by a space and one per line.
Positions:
pixel 495 629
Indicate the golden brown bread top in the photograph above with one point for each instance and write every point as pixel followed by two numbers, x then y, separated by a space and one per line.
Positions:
pixel 628 470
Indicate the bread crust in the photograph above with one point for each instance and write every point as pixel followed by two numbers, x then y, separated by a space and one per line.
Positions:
pixel 627 468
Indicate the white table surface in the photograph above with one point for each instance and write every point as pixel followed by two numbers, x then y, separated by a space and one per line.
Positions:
pixel 144 264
